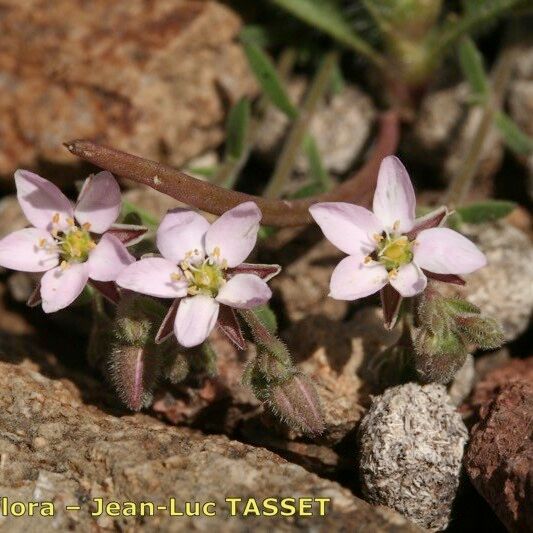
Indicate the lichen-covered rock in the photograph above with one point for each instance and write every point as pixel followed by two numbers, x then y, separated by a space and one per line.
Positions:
pixel 502 289
pixel 60 443
pixel 125 73
pixel 411 448
pixel 340 126
pixel 499 458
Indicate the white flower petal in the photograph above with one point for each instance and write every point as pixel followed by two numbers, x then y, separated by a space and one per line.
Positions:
pixel 182 231
pixel 195 319
pixel 234 233
pixel 153 276
pixel 409 280
pixel 60 287
pixel 244 291
pixel 29 250
pixel 394 199
pixel 99 202
pixel 108 259
pixel 351 228
pixel 352 279
pixel 444 251
pixel 44 205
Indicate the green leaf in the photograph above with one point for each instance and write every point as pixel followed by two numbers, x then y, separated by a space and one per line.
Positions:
pixel 267 317
pixel 206 172
pixel 471 62
pixel 480 212
pixel 514 138
pixel 146 219
pixel 318 172
pixel 268 79
pixel 253 33
pixel 237 128
pixel 328 17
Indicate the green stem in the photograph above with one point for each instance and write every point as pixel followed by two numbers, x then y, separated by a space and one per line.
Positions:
pixel 292 146
pixel 462 181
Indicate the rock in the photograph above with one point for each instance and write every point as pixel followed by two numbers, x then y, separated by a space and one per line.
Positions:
pixel 499 458
pixel 443 129
pixel 303 285
pixel 340 126
pixel 125 73
pixel 411 448
pixel 59 443
pixel 462 383
pixel 502 289
pixel 489 386
pixel 11 216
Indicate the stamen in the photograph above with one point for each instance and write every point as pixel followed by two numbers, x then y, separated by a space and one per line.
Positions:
pixel 70 221
pixel 396 225
pixel 175 276
pixel 86 226
pixel 367 260
pixel 55 218
pixel 393 274
pixel 64 265
pixel 377 237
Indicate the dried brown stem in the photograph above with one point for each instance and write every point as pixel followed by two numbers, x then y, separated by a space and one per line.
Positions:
pixel 217 200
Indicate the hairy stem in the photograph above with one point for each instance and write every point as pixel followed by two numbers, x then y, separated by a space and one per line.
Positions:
pixel 217 200
pixel 462 181
pixel 292 146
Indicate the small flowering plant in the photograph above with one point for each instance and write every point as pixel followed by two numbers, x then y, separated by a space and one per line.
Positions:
pixel 202 268
pixel 71 244
pixel 390 246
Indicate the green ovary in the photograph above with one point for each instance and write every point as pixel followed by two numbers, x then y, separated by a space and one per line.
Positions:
pixel 75 245
pixel 204 279
pixel 395 252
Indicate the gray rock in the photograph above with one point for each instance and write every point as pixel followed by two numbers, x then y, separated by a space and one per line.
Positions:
pixel 411 448
pixel 462 383
pixel 60 443
pixel 340 126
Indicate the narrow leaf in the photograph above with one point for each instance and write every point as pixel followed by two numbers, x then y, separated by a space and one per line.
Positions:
pixel 487 211
pixel 237 128
pixel 471 62
pixel 329 18
pixel 517 141
pixel 318 172
pixel 268 79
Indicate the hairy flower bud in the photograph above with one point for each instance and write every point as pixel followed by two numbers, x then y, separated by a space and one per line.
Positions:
pixel 438 356
pixel 296 401
pixel 483 331
pixel 177 367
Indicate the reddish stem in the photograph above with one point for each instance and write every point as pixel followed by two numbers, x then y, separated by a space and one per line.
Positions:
pixel 217 200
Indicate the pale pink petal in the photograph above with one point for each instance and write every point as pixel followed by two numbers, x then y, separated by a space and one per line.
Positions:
pixel 99 202
pixel 444 251
pixel 42 202
pixel 394 199
pixel 182 232
pixel 29 250
pixel 108 259
pixel 195 319
pixel 60 287
pixel 154 276
pixel 409 280
pixel 244 291
pixel 349 227
pixel 234 233
pixel 352 279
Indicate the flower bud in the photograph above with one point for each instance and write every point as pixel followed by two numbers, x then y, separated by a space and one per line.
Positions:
pixel 177 368
pixel 438 356
pixel 482 331
pixel 296 401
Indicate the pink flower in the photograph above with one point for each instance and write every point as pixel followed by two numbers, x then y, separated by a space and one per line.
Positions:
pixel 388 245
pixel 69 243
pixel 202 268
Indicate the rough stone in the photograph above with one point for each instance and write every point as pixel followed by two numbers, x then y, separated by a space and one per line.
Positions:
pixel 502 289
pixel 340 126
pixel 499 458
pixel 60 443
pixel 411 448
pixel 124 73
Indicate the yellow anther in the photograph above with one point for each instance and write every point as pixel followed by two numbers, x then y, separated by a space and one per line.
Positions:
pixel 42 243
pixel 175 276
pixel 377 237
pixel 55 218
pixel 64 265
pixel 393 274
pixel 367 260
pixel 70 221
pixel 86 226
pixel 216 252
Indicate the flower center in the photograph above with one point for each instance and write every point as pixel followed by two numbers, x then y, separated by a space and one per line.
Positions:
pixel 206 277
pixel 75 244
pixel 393 252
